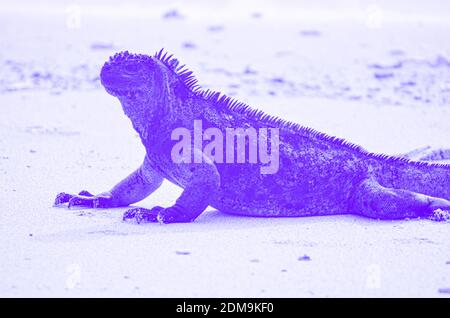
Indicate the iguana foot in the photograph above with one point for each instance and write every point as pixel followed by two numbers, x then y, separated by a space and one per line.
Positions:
pixel 84 199
pixel 441 215
pixel 172 214
pixel 141 214
pixel 175 214
pixel 63 197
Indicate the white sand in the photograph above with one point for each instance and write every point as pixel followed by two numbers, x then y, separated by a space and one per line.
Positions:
pixel 72 138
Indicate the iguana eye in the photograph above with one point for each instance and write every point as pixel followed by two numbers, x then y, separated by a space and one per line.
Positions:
pixel 131 68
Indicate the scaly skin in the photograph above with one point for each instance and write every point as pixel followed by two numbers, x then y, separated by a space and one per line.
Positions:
pixel 318 174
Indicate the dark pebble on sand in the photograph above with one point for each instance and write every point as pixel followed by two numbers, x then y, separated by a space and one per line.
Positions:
pixel 279 80
pixel 381 76
pixel 250 71
pixel 189 45
pixel 172 14
pixel 304 258
pixel 408 83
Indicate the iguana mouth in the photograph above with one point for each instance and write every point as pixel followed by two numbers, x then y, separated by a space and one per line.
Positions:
pixel 126 93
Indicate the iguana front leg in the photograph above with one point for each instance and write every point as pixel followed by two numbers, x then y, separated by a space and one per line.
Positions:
pixel 136 187
pixel 204 181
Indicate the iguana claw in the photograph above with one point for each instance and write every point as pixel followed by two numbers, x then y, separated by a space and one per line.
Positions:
pixel 85 193
pixel 62 198
pixel 142 214
pixel 84 199
pixel 158 214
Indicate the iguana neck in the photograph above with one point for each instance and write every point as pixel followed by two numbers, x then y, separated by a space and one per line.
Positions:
pixel 142 116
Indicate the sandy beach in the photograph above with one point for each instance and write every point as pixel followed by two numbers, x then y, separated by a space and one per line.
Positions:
pixel 380 78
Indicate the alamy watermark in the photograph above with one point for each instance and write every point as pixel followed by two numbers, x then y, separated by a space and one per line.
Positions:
pixel 231 148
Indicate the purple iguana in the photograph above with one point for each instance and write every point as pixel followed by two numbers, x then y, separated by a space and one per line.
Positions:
pixel 317 174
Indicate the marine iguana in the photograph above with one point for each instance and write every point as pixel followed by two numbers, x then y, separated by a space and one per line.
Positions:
pixel 318 174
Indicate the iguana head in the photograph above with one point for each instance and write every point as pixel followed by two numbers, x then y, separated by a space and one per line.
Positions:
pixel 128 75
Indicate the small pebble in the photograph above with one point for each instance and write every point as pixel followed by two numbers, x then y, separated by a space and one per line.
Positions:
pixel 277 80
pixel 304 258
pixel 189 45
pixel 172 14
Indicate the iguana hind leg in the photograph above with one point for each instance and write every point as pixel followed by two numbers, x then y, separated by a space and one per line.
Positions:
pixel 375 201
